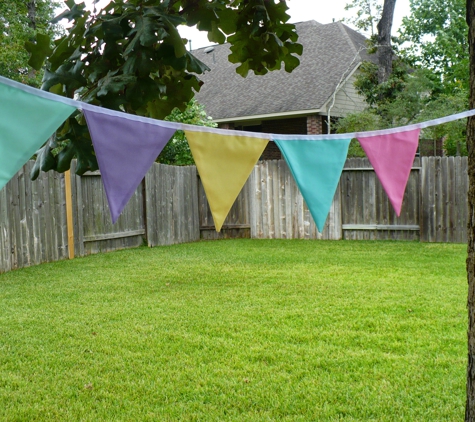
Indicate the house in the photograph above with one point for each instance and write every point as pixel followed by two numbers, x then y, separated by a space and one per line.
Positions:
pixel 301 102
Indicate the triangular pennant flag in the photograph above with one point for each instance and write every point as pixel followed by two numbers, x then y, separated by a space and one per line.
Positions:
pixel 26 123
pixel 392 157
pixel 224 163
pixel 316 166
pixel 125 150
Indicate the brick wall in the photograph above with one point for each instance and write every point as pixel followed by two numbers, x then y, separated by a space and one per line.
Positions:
pixel 314 125
pixel 272 152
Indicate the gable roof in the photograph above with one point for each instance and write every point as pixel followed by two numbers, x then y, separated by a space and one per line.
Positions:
pixel 331 53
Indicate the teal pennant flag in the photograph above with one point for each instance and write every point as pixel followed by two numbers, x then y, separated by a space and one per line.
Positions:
pixel 316 166
pixel 26 122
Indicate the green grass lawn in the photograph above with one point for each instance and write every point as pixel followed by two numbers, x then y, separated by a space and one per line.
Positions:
pixel 238 330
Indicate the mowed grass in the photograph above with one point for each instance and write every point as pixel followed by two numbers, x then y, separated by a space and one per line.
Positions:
pixel 238 330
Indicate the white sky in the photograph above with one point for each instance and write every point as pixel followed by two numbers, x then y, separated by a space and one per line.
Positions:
pixel 323 11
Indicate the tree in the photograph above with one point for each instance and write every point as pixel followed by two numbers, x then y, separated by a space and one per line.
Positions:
pixel 452 134
pixel 368 13
pixel 130 57
pixel 404 99
pixel 385 51
pixel 377 94
pixel 177 152
pixel 411 93
pixel 434 36
pixel 20 21
pixel 470 403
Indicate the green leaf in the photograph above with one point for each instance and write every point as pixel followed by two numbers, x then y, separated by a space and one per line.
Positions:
pixel 68 75
pixel 215 35
pixel 194 65
pixel 175 39
pixel 75 11
pixel 143 90
pixel 158 109
pixel 147 33
pixel 56 89
pixel 294 48
pixel 114 84
pixel 64 158
pixel 243 69
pixel 45 160
pixel 291 62
pixel 61 53
pixel 39 50
pixel 227 20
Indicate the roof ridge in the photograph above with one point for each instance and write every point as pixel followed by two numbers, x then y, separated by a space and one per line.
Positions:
pixel 347 37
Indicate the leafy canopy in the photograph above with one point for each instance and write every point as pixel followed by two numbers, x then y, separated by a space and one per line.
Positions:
pixel 430 78
pixel 20 23
pixel 367 14
pixel 177 152
pixel 409 96
pixel 434 36
pixel 130 57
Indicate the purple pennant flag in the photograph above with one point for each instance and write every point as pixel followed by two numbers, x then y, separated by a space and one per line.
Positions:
pixel 125 150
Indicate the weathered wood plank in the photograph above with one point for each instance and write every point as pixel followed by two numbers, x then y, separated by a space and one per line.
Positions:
pixel 173 210
pixel 5 232
pixel 397 227
pixel 78 211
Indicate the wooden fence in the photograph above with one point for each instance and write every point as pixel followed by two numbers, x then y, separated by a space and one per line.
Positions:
pixel 444 206
pixel 170 207
pixel 366 211
pixel 32 220
pixel 278 210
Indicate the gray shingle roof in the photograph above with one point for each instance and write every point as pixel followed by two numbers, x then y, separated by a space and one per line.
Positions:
pixel 331 52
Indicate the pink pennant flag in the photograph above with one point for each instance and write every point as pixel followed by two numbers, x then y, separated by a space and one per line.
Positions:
pixel 392 157
pixel 125 150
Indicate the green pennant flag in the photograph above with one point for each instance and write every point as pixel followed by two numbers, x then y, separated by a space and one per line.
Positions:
pixel 26 122
pixel 316 166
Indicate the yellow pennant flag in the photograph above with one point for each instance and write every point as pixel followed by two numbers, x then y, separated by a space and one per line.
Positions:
pixel 224 163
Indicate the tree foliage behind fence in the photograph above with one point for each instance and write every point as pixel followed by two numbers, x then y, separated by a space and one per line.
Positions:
pixel 170 207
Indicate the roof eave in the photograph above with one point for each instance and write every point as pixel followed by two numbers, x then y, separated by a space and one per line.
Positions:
pixel 297 113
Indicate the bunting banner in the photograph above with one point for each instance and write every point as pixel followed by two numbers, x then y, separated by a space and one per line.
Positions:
pixel 26 123
pixel 392 156
pixel 224 163
pixel 316 166
pixel 126 146
pixel 125 150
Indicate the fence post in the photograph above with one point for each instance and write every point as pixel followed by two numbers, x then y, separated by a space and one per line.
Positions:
pixel 69 212
pixel 422 176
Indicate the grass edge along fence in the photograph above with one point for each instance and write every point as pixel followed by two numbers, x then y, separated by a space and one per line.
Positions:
pixel 170 207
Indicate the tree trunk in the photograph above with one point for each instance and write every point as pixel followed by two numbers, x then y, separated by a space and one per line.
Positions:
pixel 31 6
pixel 385 52
pixel 470 404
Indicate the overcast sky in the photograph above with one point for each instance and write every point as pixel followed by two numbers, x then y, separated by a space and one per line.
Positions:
pixel 323 11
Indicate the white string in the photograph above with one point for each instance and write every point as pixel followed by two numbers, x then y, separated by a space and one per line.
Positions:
pixel 183 126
